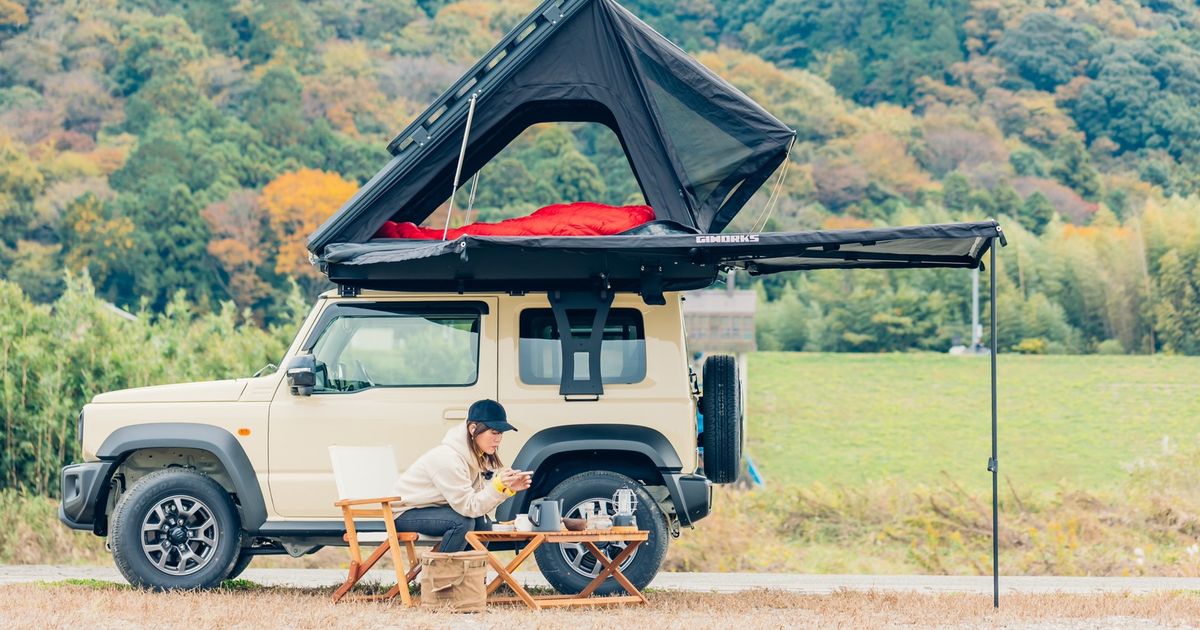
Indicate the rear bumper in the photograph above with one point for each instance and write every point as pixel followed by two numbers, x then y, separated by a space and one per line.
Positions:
pixel 83 487
pixel 691 494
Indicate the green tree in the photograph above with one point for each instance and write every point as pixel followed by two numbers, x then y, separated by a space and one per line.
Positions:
pixel 574 178
pixel 154 46
pixel 956 192
pixel 1036 213
pixel 1006 201
pixel 1046 50
pixel 1072 167
pixel 278 29
pixel 171 96
pixel 273 107
pixel 1177 301
pixel 1143 95
pixel 894 42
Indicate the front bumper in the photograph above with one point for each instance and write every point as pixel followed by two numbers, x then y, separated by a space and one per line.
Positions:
pixel 691 494
pixel 84 486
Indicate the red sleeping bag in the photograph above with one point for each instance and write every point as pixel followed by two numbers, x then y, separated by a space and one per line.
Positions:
pixel 565 219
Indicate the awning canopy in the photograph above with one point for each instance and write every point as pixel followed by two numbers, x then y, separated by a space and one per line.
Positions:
pixel 645 263
pixel 698 147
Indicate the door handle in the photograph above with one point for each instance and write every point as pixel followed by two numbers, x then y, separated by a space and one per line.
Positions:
pixel 454 414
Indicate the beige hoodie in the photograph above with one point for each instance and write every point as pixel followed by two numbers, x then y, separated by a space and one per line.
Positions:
pixel 448 474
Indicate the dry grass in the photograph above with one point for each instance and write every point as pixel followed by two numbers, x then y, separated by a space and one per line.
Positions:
pixel 99 606
pixel 1151 526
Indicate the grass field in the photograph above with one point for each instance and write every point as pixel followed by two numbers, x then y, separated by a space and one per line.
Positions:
pixel 109 606
pixel 855 419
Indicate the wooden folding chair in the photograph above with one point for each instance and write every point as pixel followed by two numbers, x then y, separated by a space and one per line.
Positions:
pixel 364 476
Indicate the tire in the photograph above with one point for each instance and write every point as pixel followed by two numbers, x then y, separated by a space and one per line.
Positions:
pixel 243 560
pixel 555 561
pixel 722 409
pixel 209 531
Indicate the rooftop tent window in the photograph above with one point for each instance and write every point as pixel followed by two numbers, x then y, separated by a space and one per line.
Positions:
pixel 547 163
pixel 710 155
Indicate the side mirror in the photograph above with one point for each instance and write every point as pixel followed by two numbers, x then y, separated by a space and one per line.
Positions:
pixel 302 375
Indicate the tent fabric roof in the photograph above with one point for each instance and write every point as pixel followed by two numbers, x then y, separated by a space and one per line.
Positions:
pixel 679 261
pixel 698 147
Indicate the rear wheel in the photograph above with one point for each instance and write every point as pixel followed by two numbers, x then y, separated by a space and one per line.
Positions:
pixel 722 409
pixel 175 529
pixel 570 567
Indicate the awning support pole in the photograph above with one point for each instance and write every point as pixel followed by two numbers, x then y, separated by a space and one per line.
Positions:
pixel 462 156
pixel 993 464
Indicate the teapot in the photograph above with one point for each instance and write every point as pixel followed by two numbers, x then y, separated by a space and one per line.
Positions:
pixel 546 515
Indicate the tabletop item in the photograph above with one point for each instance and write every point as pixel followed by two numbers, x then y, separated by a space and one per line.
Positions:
pixel 522 523
pixel 546 515
pixel 599 522
pixel 588 539
pixel 626 502
pixel 503 527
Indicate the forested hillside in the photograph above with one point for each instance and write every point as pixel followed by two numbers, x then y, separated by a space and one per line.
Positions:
pixel 162 145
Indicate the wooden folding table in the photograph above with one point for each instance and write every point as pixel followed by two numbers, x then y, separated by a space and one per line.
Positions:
pixel 588 538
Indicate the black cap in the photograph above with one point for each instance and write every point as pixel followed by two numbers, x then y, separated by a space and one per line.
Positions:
pixel 490 414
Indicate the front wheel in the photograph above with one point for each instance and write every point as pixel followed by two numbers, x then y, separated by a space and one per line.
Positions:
pixel 568 567
pixel 239 565
pixel 175 529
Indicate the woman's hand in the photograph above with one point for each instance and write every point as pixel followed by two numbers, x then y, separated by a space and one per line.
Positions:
pixel 516 480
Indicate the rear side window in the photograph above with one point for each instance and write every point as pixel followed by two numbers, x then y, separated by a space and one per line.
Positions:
pixel 622 355
pixel 397 349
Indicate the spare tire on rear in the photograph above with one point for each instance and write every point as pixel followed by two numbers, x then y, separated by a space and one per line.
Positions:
pixel 722 409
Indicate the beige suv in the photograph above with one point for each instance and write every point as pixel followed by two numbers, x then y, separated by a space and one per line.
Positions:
pixel 189 482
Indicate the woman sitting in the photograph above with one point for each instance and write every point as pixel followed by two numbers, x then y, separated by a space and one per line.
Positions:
pixel 450 490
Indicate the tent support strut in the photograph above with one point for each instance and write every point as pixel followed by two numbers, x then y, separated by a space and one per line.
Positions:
pixel 462 156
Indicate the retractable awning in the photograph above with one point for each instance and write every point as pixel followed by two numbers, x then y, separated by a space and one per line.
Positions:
pixel 645 263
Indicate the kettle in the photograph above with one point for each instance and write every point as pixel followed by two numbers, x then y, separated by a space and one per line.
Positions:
pixel 546 515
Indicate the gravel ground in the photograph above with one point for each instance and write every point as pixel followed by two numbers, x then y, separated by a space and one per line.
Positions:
pixel 692 582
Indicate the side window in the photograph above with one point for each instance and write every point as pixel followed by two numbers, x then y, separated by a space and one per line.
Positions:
pixel 622 355
pixel 363 349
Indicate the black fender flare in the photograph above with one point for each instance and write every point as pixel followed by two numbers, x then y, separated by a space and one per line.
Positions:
pixel 589 437
pixel 221 443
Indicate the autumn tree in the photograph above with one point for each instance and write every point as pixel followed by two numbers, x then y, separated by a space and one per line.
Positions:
pixel 296 204
pixel 98 240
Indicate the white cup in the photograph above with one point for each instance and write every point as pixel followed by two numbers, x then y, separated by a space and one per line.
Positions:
pixel 523 523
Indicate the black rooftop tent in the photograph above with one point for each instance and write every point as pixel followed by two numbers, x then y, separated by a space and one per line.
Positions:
pixel 698 147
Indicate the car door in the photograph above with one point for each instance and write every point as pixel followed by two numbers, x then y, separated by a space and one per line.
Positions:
pixel 396 373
